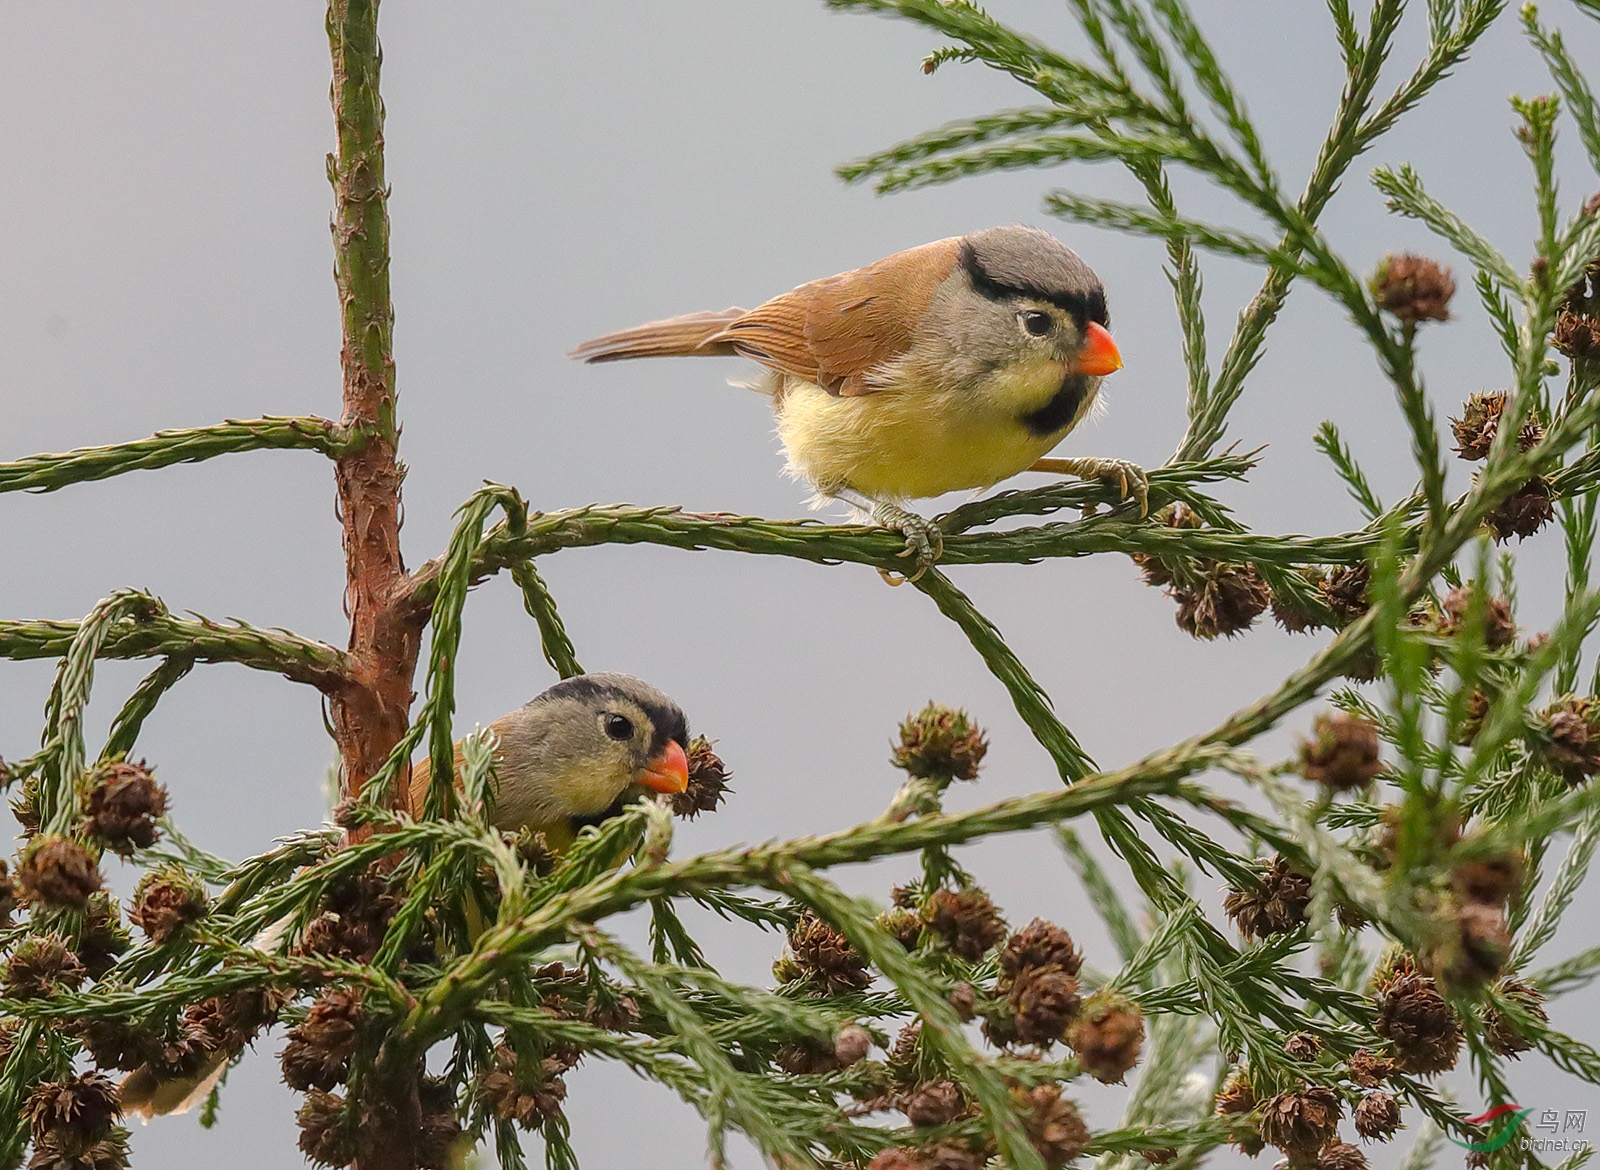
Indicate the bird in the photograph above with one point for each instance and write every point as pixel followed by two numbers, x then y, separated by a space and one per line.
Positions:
pixel 575 755
pixel 947 367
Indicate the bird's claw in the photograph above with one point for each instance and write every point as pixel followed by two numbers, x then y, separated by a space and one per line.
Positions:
pixel 924 540
pixel 1131 480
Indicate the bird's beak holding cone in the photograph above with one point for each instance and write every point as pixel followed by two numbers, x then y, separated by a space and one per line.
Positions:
pixel 668 772
pixel 1099 355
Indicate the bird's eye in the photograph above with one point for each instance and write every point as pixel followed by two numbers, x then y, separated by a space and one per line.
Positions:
pixel 617 726
pixel 1036 323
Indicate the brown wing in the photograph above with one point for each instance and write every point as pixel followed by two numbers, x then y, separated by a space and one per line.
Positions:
pixel 835 331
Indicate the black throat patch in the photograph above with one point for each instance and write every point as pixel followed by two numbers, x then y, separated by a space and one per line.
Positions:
pixel 1063 407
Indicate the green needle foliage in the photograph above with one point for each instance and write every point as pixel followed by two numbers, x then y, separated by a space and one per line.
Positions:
pixel 1392 889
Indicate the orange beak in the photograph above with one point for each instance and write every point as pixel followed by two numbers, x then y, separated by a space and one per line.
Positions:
pixel 668 772
pixel 1099 355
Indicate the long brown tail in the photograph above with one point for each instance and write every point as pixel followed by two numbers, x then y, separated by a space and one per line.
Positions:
pixel 686 336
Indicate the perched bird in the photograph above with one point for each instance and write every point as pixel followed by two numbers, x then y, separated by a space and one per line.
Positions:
pixel 571 757
pixel 946 367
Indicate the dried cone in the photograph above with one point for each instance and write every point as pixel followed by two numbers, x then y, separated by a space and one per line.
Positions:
pixel 1474 949
pixel 1301 1123
pixel 1523 512
pixel 1342 754
pixel 327 1138
pixel 1345 591
pixel 1413 288
pixel 81 1106
pixel 1040 945
pixel 55 1151
pixel 1341 1156
pixel 851 1044
pixel 1107 1036
pixel 1488 881
pixel 1499 631
pixel 941 743
pixel 1227 603
pixel 318 1053
pixel 525 1092
pixel 122 807
pixel 1570 743
pixel 1235 1098
pixel 1369 1069
pixel 1377 1116
pixel 8 896
pixel 1503 1035
pixel 935 1103
pixel 1044 1002
pixel 1479 422
pixel 823 957
pixel 57 872
pixel 1577 334
pixel 1302 1046
pixel 807 1056
pixel 438 1129
pixel 1155 571
pixel 166 900
pixel 356 913
pixel 708 781
pixel 966 921
pixel 1053 1123
pixel 41 966
pixel 1277 907
pixel 1415 1018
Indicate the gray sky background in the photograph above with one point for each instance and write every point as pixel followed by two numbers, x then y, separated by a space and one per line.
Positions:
pixel 560 170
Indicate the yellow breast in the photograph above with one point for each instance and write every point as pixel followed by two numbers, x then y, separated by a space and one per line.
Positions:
pixel 910 441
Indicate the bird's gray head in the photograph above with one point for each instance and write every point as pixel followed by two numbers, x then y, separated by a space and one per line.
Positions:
pixel 585 745
pixel 1019 263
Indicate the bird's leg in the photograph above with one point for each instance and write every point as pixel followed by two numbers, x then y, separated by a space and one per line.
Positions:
pixel 1130 478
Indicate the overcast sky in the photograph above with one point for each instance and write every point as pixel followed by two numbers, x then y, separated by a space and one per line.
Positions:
pixel 561 170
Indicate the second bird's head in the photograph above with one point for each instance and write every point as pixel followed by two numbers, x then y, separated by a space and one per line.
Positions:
pixel 1024 314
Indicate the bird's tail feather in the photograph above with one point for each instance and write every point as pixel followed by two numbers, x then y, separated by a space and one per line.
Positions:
pixel 687 336
pixel 146 1095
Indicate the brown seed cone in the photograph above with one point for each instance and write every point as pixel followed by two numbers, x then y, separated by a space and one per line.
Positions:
pixel 808 1056
pixel 1377 1116
pixel 1228 602
pixel 1345 591
pixel 1477 710
pixel 1040 945
pixel 1277 907
pixel 1155 571
pixel 904 926
pixel 1488 881
pixel 1504 1037
pixel 1341 1156
pixel 1474 949
pixel 1302 1046
pixel 708 781
pixel 903 1053
pixel 1577 334
pixel 356 913
pixel 327 1138
pixel 57 1151
pixel 104 938
pixel 952 1154
pixel 823 957
pixel 1301 1123
pixel 57 871
pixel 41 966
pixel 1570 744
pixel 940 743
pixel 122 807
pixel 114 1044
pixel 1415 1018
pixel 964 999
pixel 851 1044
pixel 935 1103
pixel 1107 1035
pixel 1053 1123
pixel 166 900
pixel 1499 631
pixel 966 921
pixel 82 1106
pixel 1237 1097
pixel 896 1158
pixel 1413 288
pixel 8 896
pixel 1479 421
pixel 226 1023
pixel 319 1048
pixel 526 1093
pixel 1045 1001
pixel 1369 1069
pixel 1523 512
pixel 1342 754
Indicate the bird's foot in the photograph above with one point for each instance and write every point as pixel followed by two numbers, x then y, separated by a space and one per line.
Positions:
pixel 924 541
pixel 1130 479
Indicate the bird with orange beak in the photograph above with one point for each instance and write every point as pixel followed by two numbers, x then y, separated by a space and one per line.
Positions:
pixel 947 367
pixel 576 754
